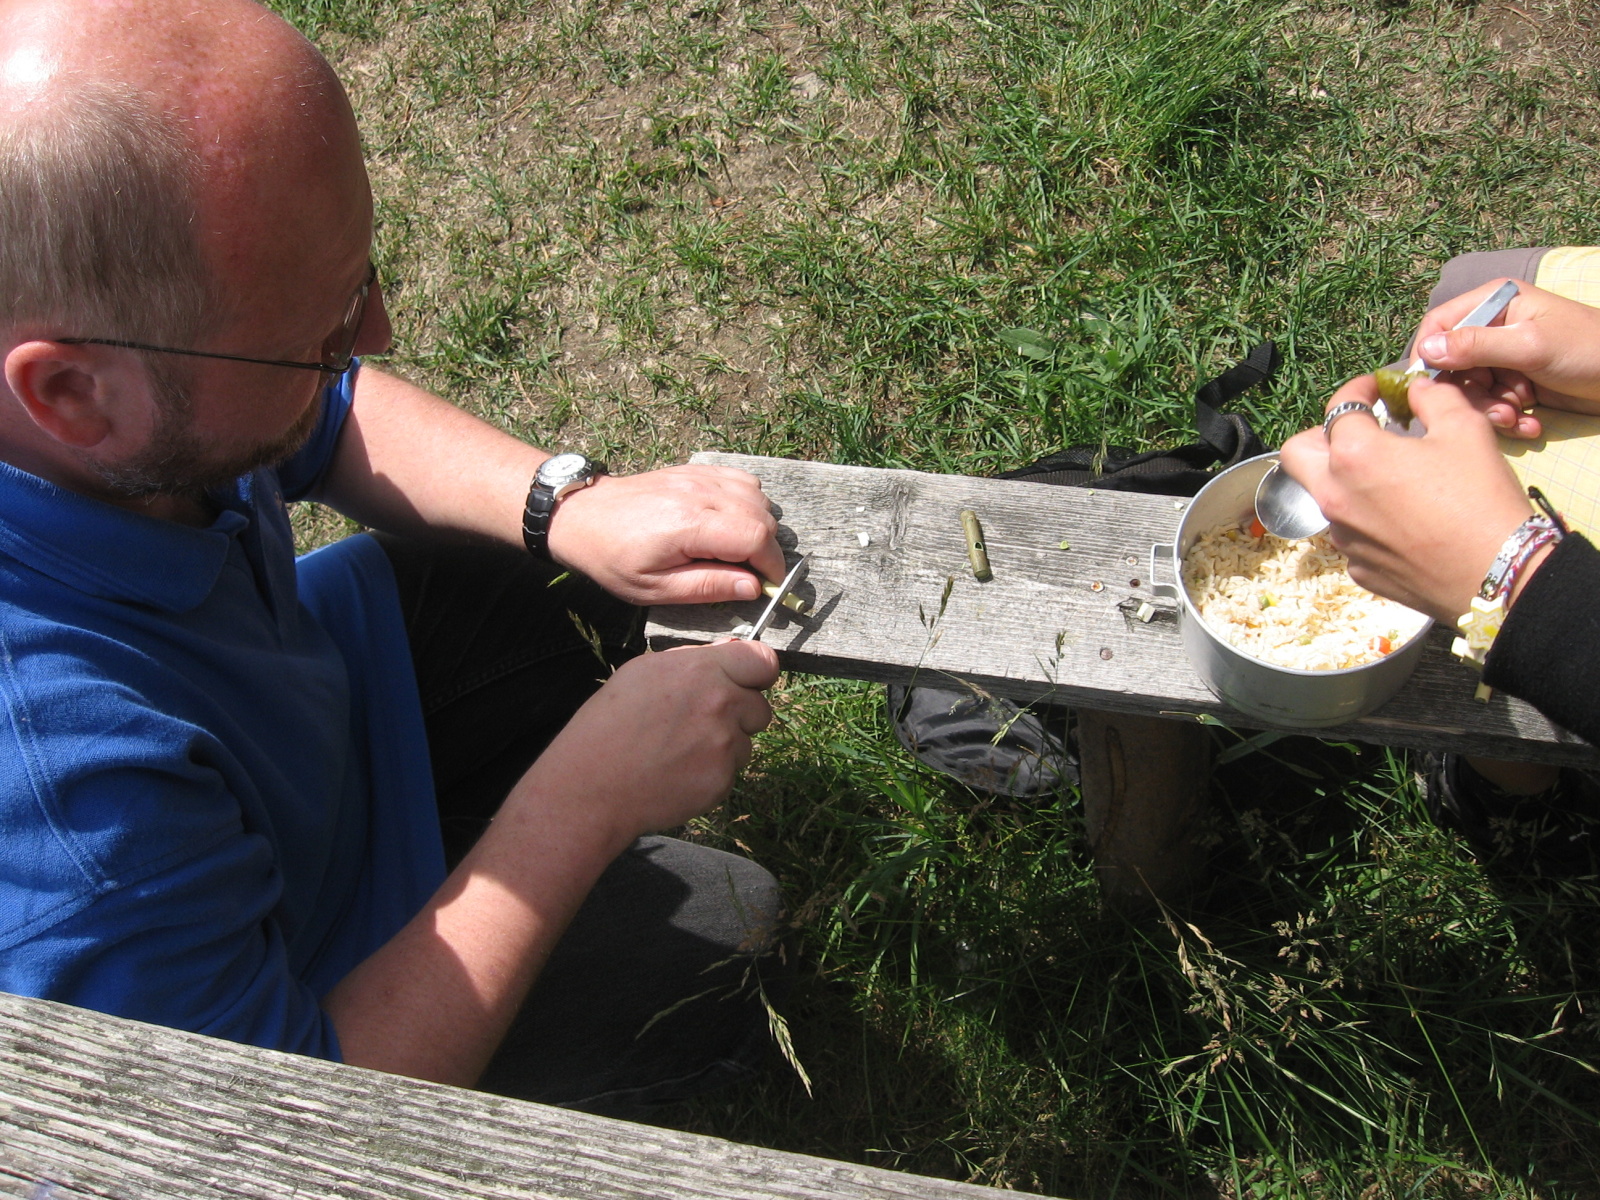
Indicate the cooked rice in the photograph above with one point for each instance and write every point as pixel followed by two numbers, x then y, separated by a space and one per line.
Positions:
pixel 1291 603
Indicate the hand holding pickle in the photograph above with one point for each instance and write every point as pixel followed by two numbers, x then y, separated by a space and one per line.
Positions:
pixel 1545 351
pixel 1394 389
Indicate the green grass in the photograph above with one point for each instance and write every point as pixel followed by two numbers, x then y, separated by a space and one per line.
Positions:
pixel 956 236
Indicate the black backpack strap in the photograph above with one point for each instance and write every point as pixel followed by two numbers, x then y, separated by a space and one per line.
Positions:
pixel 1181 470
pixel 1229 434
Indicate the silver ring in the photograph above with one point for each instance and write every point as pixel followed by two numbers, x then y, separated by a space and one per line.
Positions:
pixel 1344 409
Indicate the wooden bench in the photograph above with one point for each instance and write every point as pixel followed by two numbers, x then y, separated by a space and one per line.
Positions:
pixel 896 600
pixel 95 1107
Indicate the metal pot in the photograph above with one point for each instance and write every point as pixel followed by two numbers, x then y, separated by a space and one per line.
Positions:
pixel 1276 695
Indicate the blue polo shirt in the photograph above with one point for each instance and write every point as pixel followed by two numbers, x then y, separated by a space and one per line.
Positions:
pixel 215 797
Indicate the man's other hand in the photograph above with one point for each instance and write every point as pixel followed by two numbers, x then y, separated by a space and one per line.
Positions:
pixel 662 741
pixel 681 535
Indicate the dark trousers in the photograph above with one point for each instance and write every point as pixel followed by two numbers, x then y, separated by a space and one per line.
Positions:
pixel 659 988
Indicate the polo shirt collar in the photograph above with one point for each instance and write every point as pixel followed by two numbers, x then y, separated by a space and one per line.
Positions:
pixel 112 552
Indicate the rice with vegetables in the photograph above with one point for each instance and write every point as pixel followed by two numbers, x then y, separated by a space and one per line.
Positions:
pixel 1291 603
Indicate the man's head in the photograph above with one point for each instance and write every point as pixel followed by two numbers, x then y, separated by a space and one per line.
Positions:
pixel 97 215
pixel 181 175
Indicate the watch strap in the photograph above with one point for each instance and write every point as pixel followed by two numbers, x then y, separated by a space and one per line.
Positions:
pixel 536 514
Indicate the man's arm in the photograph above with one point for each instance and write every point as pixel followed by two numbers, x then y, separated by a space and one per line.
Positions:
pixel 436 1000
pixel 409 462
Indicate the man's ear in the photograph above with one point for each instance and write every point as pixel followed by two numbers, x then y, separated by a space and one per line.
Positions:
pixel 67 391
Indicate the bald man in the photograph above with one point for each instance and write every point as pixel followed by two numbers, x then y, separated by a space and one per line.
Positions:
pixel 348 806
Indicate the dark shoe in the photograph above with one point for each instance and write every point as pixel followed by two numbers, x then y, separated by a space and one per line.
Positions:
pixel 1553 834
pixel 988 742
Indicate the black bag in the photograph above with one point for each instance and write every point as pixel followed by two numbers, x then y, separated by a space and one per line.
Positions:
pixel 1225 439
pixel 997 745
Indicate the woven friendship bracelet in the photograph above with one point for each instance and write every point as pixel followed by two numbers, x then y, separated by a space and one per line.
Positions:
pixel 1532 546
pixel 1494 583
pixel 1480 624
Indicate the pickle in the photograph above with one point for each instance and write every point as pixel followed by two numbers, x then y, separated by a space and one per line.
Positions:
pixel 1394 389
pixel 789 600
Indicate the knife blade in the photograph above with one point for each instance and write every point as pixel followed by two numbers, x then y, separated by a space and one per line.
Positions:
pixel 795 575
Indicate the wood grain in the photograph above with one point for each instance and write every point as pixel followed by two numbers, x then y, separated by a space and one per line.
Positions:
pixel 895 600
pixel 97 1106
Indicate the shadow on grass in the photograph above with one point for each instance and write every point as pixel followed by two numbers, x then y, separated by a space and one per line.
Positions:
pixel 1348 1005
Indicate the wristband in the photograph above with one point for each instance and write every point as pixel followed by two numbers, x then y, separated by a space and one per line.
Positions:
pixel 1481 623
pixel 1496 581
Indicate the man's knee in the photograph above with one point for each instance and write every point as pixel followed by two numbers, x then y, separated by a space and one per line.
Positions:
pixel 729 903
pixel 660 988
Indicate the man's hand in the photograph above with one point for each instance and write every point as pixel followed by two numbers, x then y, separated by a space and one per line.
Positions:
pixel 674 536
pixel 661 742
pixel 1545 351
pixel 1421 518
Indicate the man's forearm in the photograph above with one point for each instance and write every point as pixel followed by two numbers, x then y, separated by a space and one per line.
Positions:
pixel 408 461
pixel 658 744
pixel 436 1000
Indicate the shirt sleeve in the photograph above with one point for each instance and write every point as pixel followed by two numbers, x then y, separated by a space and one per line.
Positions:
pixel 302 472
pixel 188 947
pixel 1548 651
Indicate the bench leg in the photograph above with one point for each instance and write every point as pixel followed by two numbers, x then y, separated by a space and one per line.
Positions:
pixel 1144 780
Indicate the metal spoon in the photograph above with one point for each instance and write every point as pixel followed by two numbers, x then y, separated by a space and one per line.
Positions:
pixel 1285 508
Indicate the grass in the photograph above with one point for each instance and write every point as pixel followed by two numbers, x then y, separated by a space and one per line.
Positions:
pixel 956 235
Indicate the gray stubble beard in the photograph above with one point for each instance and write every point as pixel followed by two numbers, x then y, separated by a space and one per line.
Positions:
pixel 174 463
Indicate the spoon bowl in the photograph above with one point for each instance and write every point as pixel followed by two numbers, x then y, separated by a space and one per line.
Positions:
pixel 1285 508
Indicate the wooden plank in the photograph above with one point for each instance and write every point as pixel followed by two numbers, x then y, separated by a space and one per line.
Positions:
pixel 97 1106
pixel 1054 622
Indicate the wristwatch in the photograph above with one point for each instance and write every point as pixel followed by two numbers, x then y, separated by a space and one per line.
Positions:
pixel 556 477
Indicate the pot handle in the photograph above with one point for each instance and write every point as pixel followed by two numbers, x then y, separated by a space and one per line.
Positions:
pixel 1169 554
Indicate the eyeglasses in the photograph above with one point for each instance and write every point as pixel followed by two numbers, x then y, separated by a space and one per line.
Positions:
pixel 337 350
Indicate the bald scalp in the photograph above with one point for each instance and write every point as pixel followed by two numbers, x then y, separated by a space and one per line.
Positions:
pixel 148 149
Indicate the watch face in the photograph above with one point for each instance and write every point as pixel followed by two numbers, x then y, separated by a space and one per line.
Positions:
pixel 563 468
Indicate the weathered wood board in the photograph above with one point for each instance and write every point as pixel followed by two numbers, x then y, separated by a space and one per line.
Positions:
pixel 1056 621
pixel 96 1106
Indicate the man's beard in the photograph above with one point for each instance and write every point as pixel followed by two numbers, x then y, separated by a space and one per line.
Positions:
pixel 175 463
